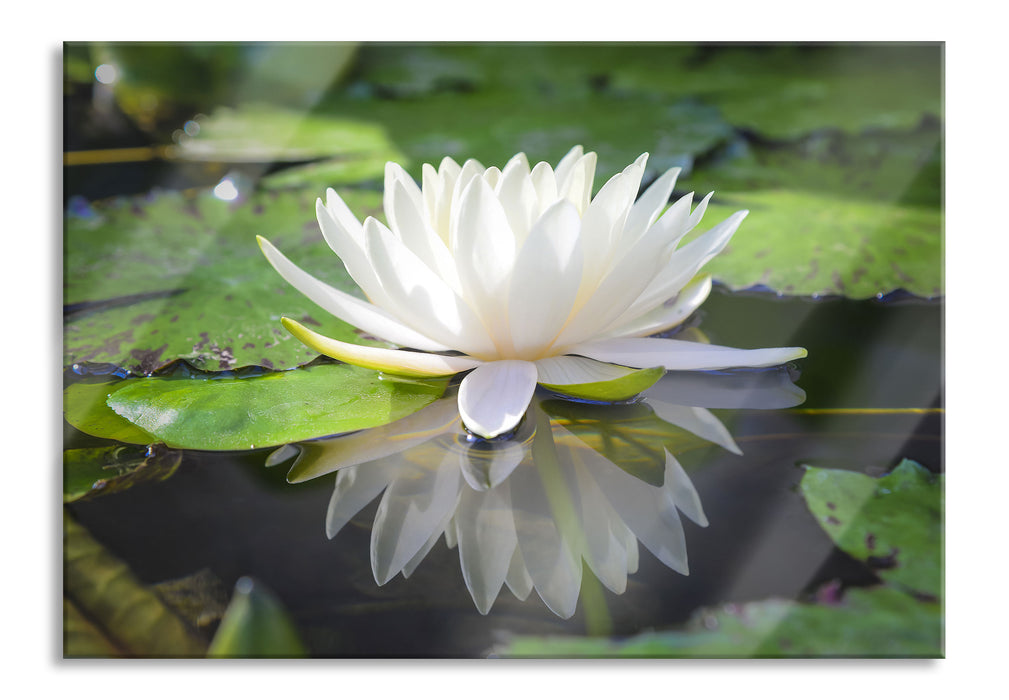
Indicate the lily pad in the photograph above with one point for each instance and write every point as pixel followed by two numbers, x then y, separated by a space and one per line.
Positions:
pixel 893 524
pixel 117 607
pixel 91 472
pixel 260 133
pixel 85 408
pixel 270 409
pixel 804 243
pixel 175 275
pixel 777 90
pixel 255 626
pixel 880 622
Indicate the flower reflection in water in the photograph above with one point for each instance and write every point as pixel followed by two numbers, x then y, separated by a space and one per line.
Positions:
pixel 575 483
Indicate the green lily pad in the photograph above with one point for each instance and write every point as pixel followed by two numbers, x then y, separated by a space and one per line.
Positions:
pixel 894 166
pixel 260 133
pixel 805 243
pixel 619 389
pixel 121 613
pixel 777 90
pixel 880 622
pixel 91 472
pixel 893 524
pixel 270 409
pixel 85 408
pixel 255 626
pixel 493 125
pixel 174 275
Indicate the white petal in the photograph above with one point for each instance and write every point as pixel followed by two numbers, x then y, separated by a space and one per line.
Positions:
pixel 699 421
pixel 545 183
pixel 678 485
pixel 570 369
pixel 567 163
pixel 667 316
pixel 518 197
pixel 545 281
pixel 487 541
pixel 355 488
pixel 408 223
pixel 395 175
pixel 682 354
pixel 684 263
pixel 518 580
pixel 414 507
pixel 576 185
pixel 494 397
pixel 360 314
pixel 484 250
pixel 321 457
pixel 402 362
pixel 772 388
pixel 347 241
pixel 646 210
pixel 419 294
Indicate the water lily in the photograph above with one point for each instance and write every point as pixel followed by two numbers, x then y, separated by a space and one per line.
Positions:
pixel 519 276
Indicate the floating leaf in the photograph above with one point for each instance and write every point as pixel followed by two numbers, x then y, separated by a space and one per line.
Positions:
pixel 127 614
pixel 260 133
pixel 893 524
pixel 803 243
pixel 880 622
pixel 255 626
pixel 270 409
pixel 778 90
pixel 180 276
pixel 85 408
pixel 97 471
pixel 619 389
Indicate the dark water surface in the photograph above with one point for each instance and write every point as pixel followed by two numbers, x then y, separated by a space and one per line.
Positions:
pixel 870 363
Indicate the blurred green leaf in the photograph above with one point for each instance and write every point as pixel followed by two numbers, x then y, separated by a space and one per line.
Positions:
pixel 97 471
pixel 260 133
pixel 119 609
pixel 255 626
pixel 875 622
pixel 893 524
pixel 270 409
pixel 85 408
pixel 172 275
pixel 803 243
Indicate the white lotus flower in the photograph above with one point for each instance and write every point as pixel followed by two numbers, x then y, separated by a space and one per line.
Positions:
pixel 523 277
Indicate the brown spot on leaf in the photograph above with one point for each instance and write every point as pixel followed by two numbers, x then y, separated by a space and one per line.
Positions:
pixel 870 541
pixel 174 318
pixel 831 505
pixel 266 362
pixel 309 320
pixel 248 346
pixel 886 562
pixel 148 360
pixel 142 318
pixel 831 520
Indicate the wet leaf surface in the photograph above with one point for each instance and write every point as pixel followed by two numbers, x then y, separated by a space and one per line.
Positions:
pixel 173 276
pixel 893 524
pixel 270 409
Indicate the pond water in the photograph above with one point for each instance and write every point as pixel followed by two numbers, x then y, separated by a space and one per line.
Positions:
pixel 873 398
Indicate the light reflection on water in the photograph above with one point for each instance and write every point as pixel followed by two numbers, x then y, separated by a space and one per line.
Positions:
pixel 576 483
